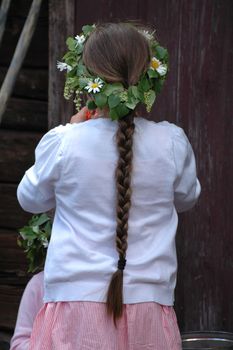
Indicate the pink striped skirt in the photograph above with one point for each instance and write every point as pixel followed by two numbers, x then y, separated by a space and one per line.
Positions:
pixel 86 326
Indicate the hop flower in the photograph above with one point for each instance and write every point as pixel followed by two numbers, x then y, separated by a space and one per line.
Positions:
pixel 94 86
pixel 78 100
pixel 63 66
pixel 80 39
pixel 68 89
pixel 158 66
pixel 148 100
pixel 123 96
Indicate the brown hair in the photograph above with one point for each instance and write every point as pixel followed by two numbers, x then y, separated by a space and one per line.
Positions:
pixel 118 52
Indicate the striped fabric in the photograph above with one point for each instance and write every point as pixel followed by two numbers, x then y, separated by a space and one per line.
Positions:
pixel 86 326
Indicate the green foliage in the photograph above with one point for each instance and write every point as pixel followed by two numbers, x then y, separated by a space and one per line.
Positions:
pixel 71 43
pixel 144 84
pixel 82 82
pixel 113 88
pixel 101 100
pixel 87 29
pixel 113 101
pixel 34 239
pixel 152 73
pixel 119 99
pixel 91 105
pixel 161 52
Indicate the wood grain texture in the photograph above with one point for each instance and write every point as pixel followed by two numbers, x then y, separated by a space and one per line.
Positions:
pixel 20 8
pixel 30 83
pixel 27 111
pixel 61 23
pixel 25 114
pixel 12 257
pixel 9 303
pixel 204 109
pixel 11 214
pixel 17 153
pixel 37 55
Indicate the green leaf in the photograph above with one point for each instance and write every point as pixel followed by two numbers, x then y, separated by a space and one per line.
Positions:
pixel 81 70
pixel 71 43
pixel 158 84
pixel 118 112
pixel 79 48
pixel 111 88
pixel 122 110
pixel 144 84
pixel 35 229
pixel 152 73
pixel 113 101
pixel 135 92
pixel 161 52
pixel 87 29
pixel 83 82
pixel 43 218
pixel 71 58
pixel 101 100
pixel 132 103
pixel 91 105
pixel 113 114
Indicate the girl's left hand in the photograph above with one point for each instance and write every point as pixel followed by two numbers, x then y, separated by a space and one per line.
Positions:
pixel 81 116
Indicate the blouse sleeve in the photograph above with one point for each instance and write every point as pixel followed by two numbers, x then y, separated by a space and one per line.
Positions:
pixel 36 190
pixel 186 187
pixel 31 303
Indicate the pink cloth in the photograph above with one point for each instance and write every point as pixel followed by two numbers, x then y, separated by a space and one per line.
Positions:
pixel 31 303
pixel 86 326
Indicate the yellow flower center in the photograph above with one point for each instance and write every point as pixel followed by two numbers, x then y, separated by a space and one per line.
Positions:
pixel 154 64
pixel 94 85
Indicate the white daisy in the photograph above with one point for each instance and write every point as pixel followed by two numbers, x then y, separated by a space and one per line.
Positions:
pixel 80 39
pixel 158 66
pixel 94 86
pixel 63 66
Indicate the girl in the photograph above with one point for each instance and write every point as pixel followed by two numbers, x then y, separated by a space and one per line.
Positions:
pixel 30 304
pixel 111 266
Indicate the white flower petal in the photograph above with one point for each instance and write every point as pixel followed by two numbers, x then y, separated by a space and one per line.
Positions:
pixel 162 69
pixel 80 39
pixel 63 66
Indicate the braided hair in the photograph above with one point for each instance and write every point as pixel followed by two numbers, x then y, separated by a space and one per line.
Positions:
pixel 126 55
pixel 123 183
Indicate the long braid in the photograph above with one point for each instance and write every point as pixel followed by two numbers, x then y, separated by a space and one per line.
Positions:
pixel 123 183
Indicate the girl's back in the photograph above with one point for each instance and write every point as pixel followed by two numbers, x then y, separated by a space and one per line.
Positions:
pixel 82 250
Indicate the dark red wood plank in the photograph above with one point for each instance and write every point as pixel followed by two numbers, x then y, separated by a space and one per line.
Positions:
pixel 30 83
pixel 16 153
pixel 12 257
pixel 25 114
pixel 61 23
pixel 11 214
pixel 9 302
pixel 37 55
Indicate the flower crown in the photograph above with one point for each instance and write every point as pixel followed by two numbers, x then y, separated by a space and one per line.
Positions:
pixel 118 99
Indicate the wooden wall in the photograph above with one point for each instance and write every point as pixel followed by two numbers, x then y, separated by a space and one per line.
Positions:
pixel 23 124
pixel 197 97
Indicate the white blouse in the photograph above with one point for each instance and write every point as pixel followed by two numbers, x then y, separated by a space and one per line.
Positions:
pixel 74 172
